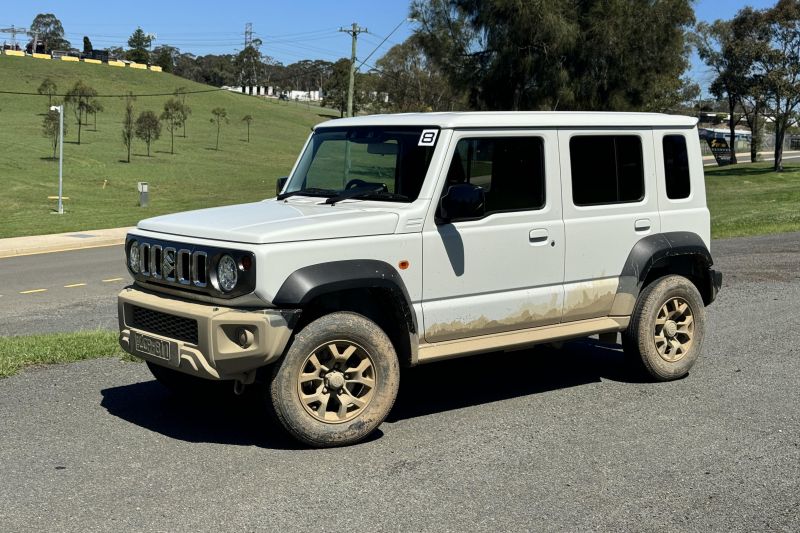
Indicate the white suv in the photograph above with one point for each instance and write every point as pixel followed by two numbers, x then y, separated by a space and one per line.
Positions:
pixel 404 239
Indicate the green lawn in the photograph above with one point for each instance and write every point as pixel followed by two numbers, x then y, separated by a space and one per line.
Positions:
pixel 100 185
pixel 751 199
pixel 19 352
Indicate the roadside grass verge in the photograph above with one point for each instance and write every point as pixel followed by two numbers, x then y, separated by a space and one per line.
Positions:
pixel 101 185
pixel 750 199
pixel 17 353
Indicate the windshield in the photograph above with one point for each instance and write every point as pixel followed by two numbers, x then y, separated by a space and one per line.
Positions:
pixel 379 163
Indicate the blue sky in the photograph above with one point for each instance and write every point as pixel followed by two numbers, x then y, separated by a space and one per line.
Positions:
pixel 290 30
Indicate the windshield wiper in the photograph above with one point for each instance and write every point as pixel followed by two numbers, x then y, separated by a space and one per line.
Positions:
pixel 311 191
pixel 354 193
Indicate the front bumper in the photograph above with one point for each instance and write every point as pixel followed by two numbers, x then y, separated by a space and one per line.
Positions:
pixel 212 350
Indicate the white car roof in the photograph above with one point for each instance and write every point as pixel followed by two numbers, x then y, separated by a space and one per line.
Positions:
pixel 518 119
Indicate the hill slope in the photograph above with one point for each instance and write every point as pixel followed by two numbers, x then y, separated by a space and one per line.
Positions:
pixel 101 186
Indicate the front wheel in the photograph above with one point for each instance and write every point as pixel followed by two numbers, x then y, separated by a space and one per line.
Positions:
pixel 667 328
pixel 337 382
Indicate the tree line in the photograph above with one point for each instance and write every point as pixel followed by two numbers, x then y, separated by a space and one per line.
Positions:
pixel 755 57
pixel 81 101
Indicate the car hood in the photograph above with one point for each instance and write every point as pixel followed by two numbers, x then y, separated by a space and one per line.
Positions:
pixel 270 221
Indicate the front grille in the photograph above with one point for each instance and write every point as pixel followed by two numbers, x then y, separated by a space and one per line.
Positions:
pixel 175 327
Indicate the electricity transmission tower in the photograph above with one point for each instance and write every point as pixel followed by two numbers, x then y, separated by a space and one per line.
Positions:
pixel 13 30
pixel 250 58
pixel 353 31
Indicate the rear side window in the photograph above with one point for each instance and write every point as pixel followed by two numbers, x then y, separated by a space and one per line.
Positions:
pixel 606 169
pixel 509 169
pixel 676 167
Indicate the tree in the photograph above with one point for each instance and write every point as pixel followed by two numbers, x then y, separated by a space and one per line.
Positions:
pixel 48 87
pixel 248 63
pixel 93 107
pixel 589 54
pixel 220 116
pixel 780 65
pixel 180 94
pixel 50 32
pixel 247 119
pixel 413 83
pixel 750 35
pixel 139 43
pixel 128 124
pixel 87 45
pixel 51 129
pixel 336 86
pixel 148 128
pixel 172 116
pixel 79 97
pixel 164 56
pixel 717 47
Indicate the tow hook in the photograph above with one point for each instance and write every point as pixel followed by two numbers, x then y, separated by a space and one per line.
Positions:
pixel 238 387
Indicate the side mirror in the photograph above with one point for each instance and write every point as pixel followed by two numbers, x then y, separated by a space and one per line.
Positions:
pixel 462 201
pixel 280 184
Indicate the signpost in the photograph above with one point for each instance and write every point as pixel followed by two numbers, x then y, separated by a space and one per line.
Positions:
pixel 721 150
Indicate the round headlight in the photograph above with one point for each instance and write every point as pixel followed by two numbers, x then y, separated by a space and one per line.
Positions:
pixel 227 273
pixel 134 257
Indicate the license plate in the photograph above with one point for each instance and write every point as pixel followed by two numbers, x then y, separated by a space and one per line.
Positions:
pixel 150 346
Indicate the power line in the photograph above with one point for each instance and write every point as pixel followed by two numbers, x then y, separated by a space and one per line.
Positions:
pixel 383 41
pixel 22 93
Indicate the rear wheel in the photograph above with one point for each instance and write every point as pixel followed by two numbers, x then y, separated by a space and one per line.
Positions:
pixel 667 328
pixel 337 382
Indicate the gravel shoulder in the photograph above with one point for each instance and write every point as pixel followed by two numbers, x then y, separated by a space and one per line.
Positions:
pixel 535 440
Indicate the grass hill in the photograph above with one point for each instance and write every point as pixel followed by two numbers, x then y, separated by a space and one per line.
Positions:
pixel 100 185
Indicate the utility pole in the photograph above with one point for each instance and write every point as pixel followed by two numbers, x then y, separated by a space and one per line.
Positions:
pixel 354 31
pixel 60 109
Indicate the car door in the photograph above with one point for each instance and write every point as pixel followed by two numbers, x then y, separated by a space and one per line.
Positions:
pixel 610 202
pixel 502 271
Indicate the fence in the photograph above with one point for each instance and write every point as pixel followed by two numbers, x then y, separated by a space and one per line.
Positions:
pixel 61 56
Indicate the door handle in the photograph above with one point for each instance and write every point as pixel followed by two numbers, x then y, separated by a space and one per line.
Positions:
pixel 538 236
pixel 643 224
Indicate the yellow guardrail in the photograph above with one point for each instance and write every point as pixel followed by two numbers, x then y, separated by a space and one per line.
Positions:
pixel 140 66
pixel 93 61
pixel 41 56
pixel 155 68
pixel 17 53
pixel 116 63
pixel 70 58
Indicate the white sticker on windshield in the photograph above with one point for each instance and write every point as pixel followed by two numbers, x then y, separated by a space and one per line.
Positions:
pixel 428 138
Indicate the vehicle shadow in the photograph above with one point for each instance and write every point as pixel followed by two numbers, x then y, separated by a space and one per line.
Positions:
pixel 481 379
pixel 220 417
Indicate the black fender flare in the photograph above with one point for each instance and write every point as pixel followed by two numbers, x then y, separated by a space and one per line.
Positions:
pixel 654 248
pixel 307 283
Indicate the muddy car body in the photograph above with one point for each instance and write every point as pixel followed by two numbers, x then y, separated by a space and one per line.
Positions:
pixel 405 239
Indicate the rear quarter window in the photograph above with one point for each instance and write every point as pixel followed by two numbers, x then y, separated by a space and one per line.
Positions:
pixel 676 167
pixel 606 169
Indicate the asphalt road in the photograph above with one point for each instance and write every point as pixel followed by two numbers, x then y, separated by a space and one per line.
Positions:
pixel 63 291
pixel 536 440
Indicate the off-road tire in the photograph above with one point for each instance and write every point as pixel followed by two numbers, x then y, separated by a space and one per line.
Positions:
pixel 293 387
pixel 646 339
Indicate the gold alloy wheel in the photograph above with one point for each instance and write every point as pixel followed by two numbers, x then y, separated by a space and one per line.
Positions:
pixel 337 381
pixel 674 329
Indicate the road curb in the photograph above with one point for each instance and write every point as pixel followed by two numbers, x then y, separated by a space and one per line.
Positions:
pixel 61 242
